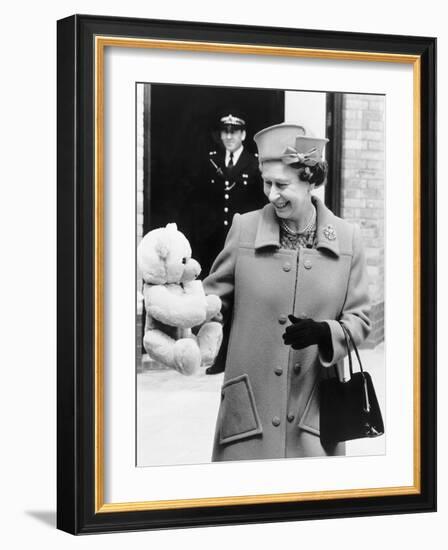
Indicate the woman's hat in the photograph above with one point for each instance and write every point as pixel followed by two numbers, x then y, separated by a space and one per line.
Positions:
pixel 289 143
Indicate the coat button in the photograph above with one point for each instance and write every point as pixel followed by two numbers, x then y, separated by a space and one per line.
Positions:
pixel 282 319
pixel 297 368
pixel 308 264
pixel 276 421
pixel 287 267
pixel 278 371
pixel 226 196
pixel 290 417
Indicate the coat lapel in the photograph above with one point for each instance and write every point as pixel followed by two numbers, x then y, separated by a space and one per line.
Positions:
pixel 239 167
pixel 242 162
pixel 326 233
pixel 268 230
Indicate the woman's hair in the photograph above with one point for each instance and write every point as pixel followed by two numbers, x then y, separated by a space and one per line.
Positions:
pixel 312 174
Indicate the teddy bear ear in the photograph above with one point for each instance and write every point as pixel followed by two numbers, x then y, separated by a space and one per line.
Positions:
pixel 171 227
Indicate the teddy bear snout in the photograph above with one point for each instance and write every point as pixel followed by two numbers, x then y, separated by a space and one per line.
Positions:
pixel 192 270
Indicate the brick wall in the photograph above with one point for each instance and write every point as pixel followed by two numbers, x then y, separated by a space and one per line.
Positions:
pixel 143 361
pixel 363 178
pixel 139 206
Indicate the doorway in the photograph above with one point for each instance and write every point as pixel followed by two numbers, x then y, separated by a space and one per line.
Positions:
pixel 181 130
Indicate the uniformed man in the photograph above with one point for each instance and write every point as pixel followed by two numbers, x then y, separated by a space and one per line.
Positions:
pixel 234 171
pixel 233 185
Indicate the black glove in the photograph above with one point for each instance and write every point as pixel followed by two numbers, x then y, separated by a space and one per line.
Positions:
pixel 306 332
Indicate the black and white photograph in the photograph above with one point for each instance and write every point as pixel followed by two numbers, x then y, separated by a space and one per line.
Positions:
pixel 260 274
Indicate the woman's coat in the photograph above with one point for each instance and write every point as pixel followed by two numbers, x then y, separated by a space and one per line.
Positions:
pixel 269 400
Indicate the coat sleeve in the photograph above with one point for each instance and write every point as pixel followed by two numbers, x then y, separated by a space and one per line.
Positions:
pixel 221 280
pixel 356 309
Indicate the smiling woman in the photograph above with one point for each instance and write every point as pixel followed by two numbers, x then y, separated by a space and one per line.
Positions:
pixel 288 182
pixel 293 259
pixel 290 196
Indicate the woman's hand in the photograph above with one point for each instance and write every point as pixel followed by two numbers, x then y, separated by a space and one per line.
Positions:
pixel 307 332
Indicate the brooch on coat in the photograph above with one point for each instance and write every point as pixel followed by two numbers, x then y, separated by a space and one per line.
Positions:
pixel 329 232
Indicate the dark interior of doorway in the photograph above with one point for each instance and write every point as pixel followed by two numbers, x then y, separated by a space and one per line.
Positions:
pixel 180 131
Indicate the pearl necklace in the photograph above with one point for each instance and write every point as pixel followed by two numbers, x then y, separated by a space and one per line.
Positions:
pixel 308 227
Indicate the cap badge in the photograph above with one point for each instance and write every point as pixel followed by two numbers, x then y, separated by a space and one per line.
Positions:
pixel 329 232
pixel 232 120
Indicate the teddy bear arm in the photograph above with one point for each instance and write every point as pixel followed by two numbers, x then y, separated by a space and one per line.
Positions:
pixel 175 308
pixel 212 302
pixel 214 305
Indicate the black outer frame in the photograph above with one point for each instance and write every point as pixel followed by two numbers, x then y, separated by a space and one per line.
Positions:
pixel 75 309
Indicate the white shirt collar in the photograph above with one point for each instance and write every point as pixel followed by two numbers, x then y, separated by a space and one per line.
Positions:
pixel 236 155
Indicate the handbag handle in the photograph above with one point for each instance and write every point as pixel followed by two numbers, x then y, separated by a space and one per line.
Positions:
pixel 349 353
pixel 350 340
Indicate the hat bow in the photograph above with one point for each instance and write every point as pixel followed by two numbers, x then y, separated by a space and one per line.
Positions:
pixel 291 156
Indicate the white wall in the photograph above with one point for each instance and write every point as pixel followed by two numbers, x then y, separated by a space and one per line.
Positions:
pixel 28 319
pixel 308 109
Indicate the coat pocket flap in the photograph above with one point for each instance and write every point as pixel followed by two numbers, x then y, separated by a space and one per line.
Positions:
pixel 309 420
pixel 238 415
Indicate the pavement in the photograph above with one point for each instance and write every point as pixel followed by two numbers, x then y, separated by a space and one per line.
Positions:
pixel 176 414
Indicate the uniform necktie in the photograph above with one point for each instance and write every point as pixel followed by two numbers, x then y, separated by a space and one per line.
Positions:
pixel 230 165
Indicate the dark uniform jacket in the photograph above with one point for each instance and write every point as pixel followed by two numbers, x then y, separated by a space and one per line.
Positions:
pixel 217 198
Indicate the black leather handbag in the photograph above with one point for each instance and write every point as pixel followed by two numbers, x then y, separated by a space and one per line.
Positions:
pixel 349 410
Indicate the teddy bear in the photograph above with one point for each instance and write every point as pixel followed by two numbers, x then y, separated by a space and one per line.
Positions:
pixel 175 303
